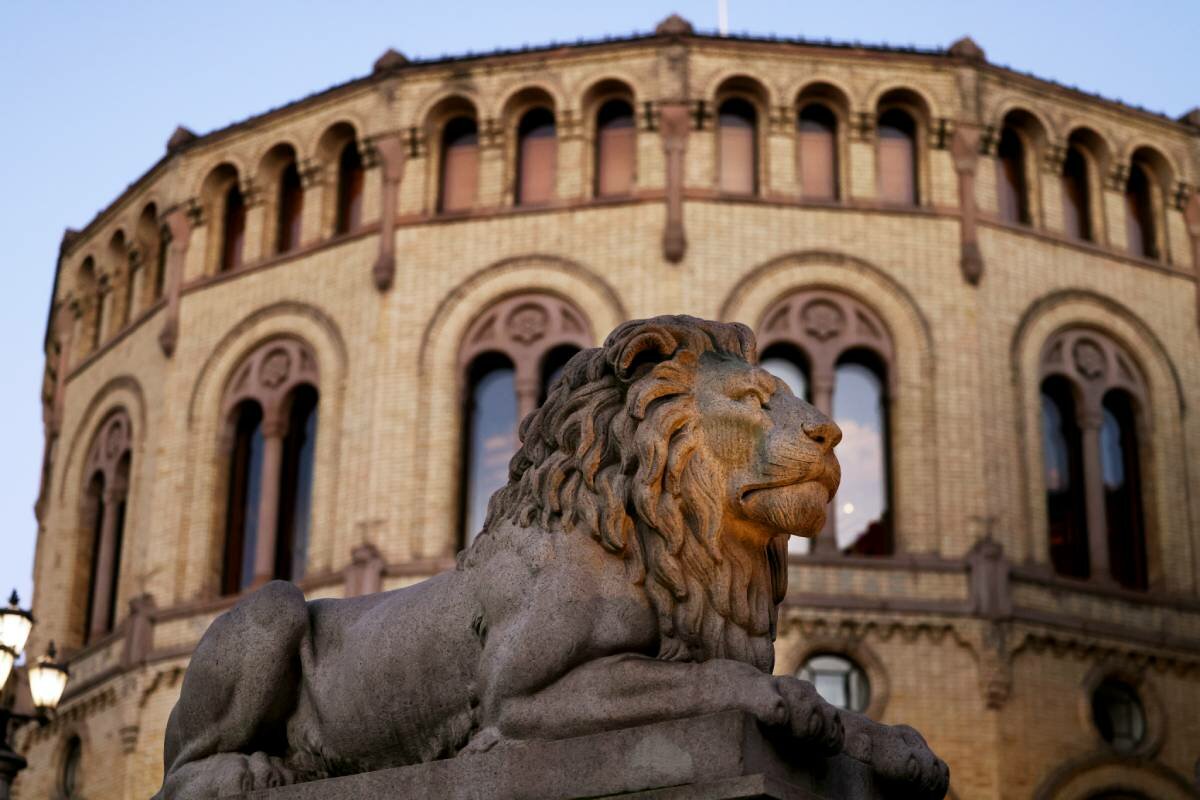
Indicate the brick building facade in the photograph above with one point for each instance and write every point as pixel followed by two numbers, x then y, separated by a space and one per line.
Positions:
pixel 268 357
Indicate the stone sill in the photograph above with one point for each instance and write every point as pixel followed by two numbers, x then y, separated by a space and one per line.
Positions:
pixel 715 757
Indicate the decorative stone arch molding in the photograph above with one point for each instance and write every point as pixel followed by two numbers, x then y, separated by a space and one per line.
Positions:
pixel 1083 318
pixel 1091 775
pixel 252 351
pixel 888 306
pixel 438 406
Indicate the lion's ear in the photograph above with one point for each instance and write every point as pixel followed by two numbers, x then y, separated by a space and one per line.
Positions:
pixel 644 351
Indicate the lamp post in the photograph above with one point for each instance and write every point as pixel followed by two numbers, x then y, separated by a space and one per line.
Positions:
pixel 47 679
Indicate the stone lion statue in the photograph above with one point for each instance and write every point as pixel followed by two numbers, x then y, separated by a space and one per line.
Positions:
pixel 628 573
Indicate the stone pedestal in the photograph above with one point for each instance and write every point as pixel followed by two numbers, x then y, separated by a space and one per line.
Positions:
pixel 713 757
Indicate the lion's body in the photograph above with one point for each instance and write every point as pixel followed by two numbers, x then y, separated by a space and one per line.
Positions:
pixel 629 572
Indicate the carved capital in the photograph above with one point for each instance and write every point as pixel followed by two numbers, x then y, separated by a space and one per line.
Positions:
pixel 168 337
pixel 971 262
pixel 1117 177
pixel 1053 157
pixel 311 173
pixel 862 126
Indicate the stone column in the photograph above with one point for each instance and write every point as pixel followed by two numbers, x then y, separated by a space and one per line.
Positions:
pixel 822 395
pixel 312 179
pixel 106 559
pixel 674 123
pixel 259 233
pixel 274 430
pixel 179 227
pixel 1097 523
pixel 964 149
pixel 390 149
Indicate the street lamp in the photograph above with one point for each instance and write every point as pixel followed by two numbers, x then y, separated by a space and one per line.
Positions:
pixel 47 679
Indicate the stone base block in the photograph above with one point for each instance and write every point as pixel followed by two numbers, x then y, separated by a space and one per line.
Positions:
pixel 713 757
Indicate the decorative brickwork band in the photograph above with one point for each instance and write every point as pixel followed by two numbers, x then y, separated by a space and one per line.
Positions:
pixel 964 149
pixel 674 122
pixel 179 228
pixel 392 156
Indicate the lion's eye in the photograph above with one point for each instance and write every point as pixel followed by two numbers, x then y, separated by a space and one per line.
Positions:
pixel 752 398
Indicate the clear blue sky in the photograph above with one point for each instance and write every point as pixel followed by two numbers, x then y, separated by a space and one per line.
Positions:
pixel 90 91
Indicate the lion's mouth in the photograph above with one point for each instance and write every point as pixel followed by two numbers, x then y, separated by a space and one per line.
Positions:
pixel 828 478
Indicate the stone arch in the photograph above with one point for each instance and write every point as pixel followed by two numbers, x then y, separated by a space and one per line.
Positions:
pixel 202 484
pixel 914 453
pixel 1164 166
pixel 511 101
pixel 1083 777
pixel 1010 103
pixel 437 408
pixel 731 77
pixel 598 92
pixel 76 729
pixel 426 114
pixel 205 173
pixel 345 116
pixel 805 85
pixel 121 392
pixel 1165 453
pixel 931 108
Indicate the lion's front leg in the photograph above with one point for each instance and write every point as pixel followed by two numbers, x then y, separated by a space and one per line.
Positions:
pixel 898 753
pixel 627 690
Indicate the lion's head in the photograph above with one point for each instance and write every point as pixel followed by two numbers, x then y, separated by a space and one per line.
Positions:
pixel 671 448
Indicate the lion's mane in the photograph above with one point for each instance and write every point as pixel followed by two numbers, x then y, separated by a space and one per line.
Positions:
pixel 614 453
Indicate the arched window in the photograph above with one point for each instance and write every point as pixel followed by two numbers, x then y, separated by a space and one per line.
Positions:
pixel 897 154
pixel 537 157
pixel 840 682
pixel 834 351
pixel 233 228
pixel 1091 396
pixel 92 303
pixel 1120 465
pixel 291 209
pixel 737 146
pixel 818 152
pixel 349 189
pixel 1076 194
pixel 160 262
pixel 511 355
pixel 68 779
pixel 460 164
pixel 271 446
pixel 1012 194
pixel 107 469
pixel 1062 454
pixel 1140 232
pixel 616 153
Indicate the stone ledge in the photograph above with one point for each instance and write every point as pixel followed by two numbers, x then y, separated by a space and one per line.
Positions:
pixel 715 757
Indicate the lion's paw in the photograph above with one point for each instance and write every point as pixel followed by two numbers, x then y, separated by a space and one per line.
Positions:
pixel 900 754
pixel 811 720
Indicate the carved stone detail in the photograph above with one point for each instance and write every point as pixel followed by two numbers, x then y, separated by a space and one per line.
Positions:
pixel 112 441
pixel 270 373
pixel 1089 359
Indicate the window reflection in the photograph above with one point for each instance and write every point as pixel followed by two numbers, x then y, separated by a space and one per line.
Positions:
pixel 1076 197
pixel 244 492
pixel 1062 455
pixel 861 505
pixel 838 680
pixel 491 437
pixel 537 157
pixel 737 124
pixel 616 140
pixel 295 506
pixel 897 158
pixel 818 152
pixel 1011 195
pixel 350 188
pixel 460 164
pixel 1123 492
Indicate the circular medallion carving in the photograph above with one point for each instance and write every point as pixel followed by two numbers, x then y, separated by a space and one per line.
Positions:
pixel 1089 358
pixel 528 323
pixel 823 320
pixel 275 368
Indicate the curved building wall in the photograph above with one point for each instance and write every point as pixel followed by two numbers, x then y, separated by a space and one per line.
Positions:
pixel 958 613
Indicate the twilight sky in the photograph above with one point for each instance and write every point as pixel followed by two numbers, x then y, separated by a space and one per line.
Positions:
pixel 90 91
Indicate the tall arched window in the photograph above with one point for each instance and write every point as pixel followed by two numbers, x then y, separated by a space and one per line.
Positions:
pixel 897 155
pixel 1091 396
pixel 351 176
pixel 737 146
pixel 107 470
pixel 1062 454
pixel 1121 470
pixel 818 152
pixel 233 228
pixel 509 358
pixel 1012 194
pixel 290 208
pixel 1076 194
pixel 1141 235
pixel 537 157
pixel 270 445
pixel 834 351
pixel 616 149
pixel 460 164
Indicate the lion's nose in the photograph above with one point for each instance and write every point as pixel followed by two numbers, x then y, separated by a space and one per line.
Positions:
pixel 824 432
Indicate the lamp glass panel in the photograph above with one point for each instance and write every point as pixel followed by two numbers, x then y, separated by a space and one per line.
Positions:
pixel 6 665
pixel 46 684
pixel 14 629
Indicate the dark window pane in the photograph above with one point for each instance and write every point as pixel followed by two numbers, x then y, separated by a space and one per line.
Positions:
pixel 291 209
pixel 245 479
pixel 460 164
pixel 1139 214
pixel 491 437
pixel 95 508
pixel 69 782
pixel 234 230
pixel 1062 452
pixel 897 158
pixel 160 263
pixel 1121 473
pixel 1011 196
pixel 537 157
pixel 861 503
pixel 616 140
pixel 552 367
pixel 818 152
pixel 838 680
pixel 295 490
pixel 350 189
pixel 1077 214
pixel 1118 715
pixel 737 134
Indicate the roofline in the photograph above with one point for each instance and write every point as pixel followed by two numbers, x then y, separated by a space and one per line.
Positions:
pixel 710 37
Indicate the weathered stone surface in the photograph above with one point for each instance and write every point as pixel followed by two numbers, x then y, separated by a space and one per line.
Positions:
pixel 717 756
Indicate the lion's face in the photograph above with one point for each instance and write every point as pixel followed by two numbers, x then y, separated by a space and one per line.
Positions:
pixel 774 449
